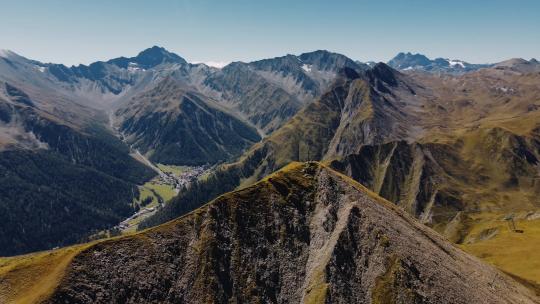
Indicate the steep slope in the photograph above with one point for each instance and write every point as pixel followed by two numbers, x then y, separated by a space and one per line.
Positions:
pixel 60 180
pixel 305 234
pixel 446 185
pixel 460 153
pixel 264 104
pixel 358 109
pixel 173 124
pixel 307 75
pixel 117 76
pixel 270 91
pixel 55 114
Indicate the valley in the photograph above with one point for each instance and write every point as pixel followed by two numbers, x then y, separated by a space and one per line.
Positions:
pixel 154 194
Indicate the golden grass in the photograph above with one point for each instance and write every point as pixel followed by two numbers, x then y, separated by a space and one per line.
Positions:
pixel 32 278
pixel 317 290
pixel 512 252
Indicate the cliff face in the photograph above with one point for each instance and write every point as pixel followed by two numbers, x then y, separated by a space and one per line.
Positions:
pixel 304 234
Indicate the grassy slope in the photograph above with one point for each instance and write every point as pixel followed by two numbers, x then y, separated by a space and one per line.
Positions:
pixel 494 183
pixel 486 122
pixel 32 278
pixel 484 125
pixel 515 253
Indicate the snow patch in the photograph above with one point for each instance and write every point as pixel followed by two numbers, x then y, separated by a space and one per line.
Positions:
pixel 41 69
pixel 306 67
pixel 133 67
pixel 456 62
pixel 505 89
pixel 214 64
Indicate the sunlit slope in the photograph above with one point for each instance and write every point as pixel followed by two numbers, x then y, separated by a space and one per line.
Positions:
pixel 32 278
pixel 309 234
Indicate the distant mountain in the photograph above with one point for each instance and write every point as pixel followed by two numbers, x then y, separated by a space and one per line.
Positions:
pixel 519 65
pixel 170 110
pixel 307 75
pixel 118 75
pixel 148 59
pixel 358 109
pixel 305 234
pixel 268 92
pixel 265 93
pixel 175 125
pixel 409 61
pixel 264 104
pixel 425 141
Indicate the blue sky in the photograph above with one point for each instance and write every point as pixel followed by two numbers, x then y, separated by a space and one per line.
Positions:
pixel 77 31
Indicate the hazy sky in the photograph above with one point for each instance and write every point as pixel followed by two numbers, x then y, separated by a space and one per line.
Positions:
pixel 77 31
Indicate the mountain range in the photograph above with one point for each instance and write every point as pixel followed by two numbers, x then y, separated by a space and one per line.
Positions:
pixel 380 167
pixel 408 61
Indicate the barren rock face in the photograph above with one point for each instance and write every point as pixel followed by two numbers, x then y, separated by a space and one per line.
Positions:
pixel 305 234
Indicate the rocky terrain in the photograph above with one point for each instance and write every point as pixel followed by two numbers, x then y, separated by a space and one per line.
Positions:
pixel 425 142
pixel 304 234
pixel 453 144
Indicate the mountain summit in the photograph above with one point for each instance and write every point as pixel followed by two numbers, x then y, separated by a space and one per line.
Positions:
pixel 305 234
pixel 149 58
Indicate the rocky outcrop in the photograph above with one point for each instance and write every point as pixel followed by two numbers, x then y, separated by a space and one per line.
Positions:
pixel 304 234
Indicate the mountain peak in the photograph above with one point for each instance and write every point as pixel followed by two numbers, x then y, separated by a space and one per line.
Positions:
pixel 153 51
pixel 519 65
pixel 407 60
pixel 149 58
pixel 382 72
pixel 328 227
pixel 157 55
